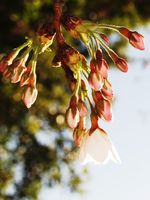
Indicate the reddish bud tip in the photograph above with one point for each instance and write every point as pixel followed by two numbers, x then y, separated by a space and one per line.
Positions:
pixel 104 37
pixel 3 64
pixel 124 31
pixel 120 62
pixel 137 40
pixel 103 69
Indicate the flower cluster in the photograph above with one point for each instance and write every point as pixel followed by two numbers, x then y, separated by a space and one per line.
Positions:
pixel 88 83
pixel 19 66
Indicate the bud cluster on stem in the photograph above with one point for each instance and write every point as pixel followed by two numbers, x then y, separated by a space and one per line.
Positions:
pixel 88 82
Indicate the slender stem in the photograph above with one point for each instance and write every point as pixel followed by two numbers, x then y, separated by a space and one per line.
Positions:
pixel 107 49
pixel 28 43
pixel 57 6
pixel 107 26
pixel 78 84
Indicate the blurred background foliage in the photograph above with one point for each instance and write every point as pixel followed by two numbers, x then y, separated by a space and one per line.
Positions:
pixel 35 145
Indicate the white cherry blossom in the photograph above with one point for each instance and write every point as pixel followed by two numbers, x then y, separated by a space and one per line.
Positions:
pixel 97 148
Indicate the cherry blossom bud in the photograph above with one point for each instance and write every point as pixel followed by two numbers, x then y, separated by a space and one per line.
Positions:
pixel 107 91
pixel 29 96
pixel 135 39
pixel 96 81
pixel 104 109
pixel 72 117
pixel 102 106
pixel 7 72
pixel 70 22
pixel 72 113
pixel 97 96
pixel 99 57
pixel 12 55
pixel 82 108
pixel 7 60
pixel 3 64
pixel 104 37
pixel 17 74
pixel 29 76
pixel 72 25
pixel 124 31
pixel 120 62
pixel 103 69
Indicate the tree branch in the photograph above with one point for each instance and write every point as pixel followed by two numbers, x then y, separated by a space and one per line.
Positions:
pixel 57 6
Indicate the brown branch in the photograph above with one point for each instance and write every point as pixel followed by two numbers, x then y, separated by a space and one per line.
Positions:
pixel 57 6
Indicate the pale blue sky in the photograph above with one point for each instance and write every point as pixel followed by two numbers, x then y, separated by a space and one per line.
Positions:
pixel 130 132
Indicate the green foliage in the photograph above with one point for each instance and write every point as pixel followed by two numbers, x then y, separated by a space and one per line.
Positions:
pixel 20 129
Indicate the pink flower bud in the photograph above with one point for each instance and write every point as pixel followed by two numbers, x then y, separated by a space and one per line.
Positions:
pixel 97 96
pixel 93 64
pixel 3 64
pixel 99 57
pixel 7 60
pixel 72 117
pixel 135 39
pixel 28 78
pixel 17 74
pixel 29 96
pixel 11 56
pixel 107 91
pixel 103 69
pixel 73 102
pixel 104 37
pixel 72 113
pixel 82 108
pixel 96 81
pixel 120 62
pixel 25 77
pixel 104 110
pixel 7 72
pixel 125 32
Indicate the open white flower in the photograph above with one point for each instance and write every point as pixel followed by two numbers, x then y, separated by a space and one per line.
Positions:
pixel 97 148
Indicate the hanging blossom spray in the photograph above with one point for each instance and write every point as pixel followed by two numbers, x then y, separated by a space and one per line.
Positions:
pixel 89 83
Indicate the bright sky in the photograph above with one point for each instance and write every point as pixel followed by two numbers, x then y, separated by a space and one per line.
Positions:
pixel 130 132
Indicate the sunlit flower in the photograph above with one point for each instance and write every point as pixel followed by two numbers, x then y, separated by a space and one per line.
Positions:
pixel 29 96
pixel 72 117
pixel 97 148
pixel 72 113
